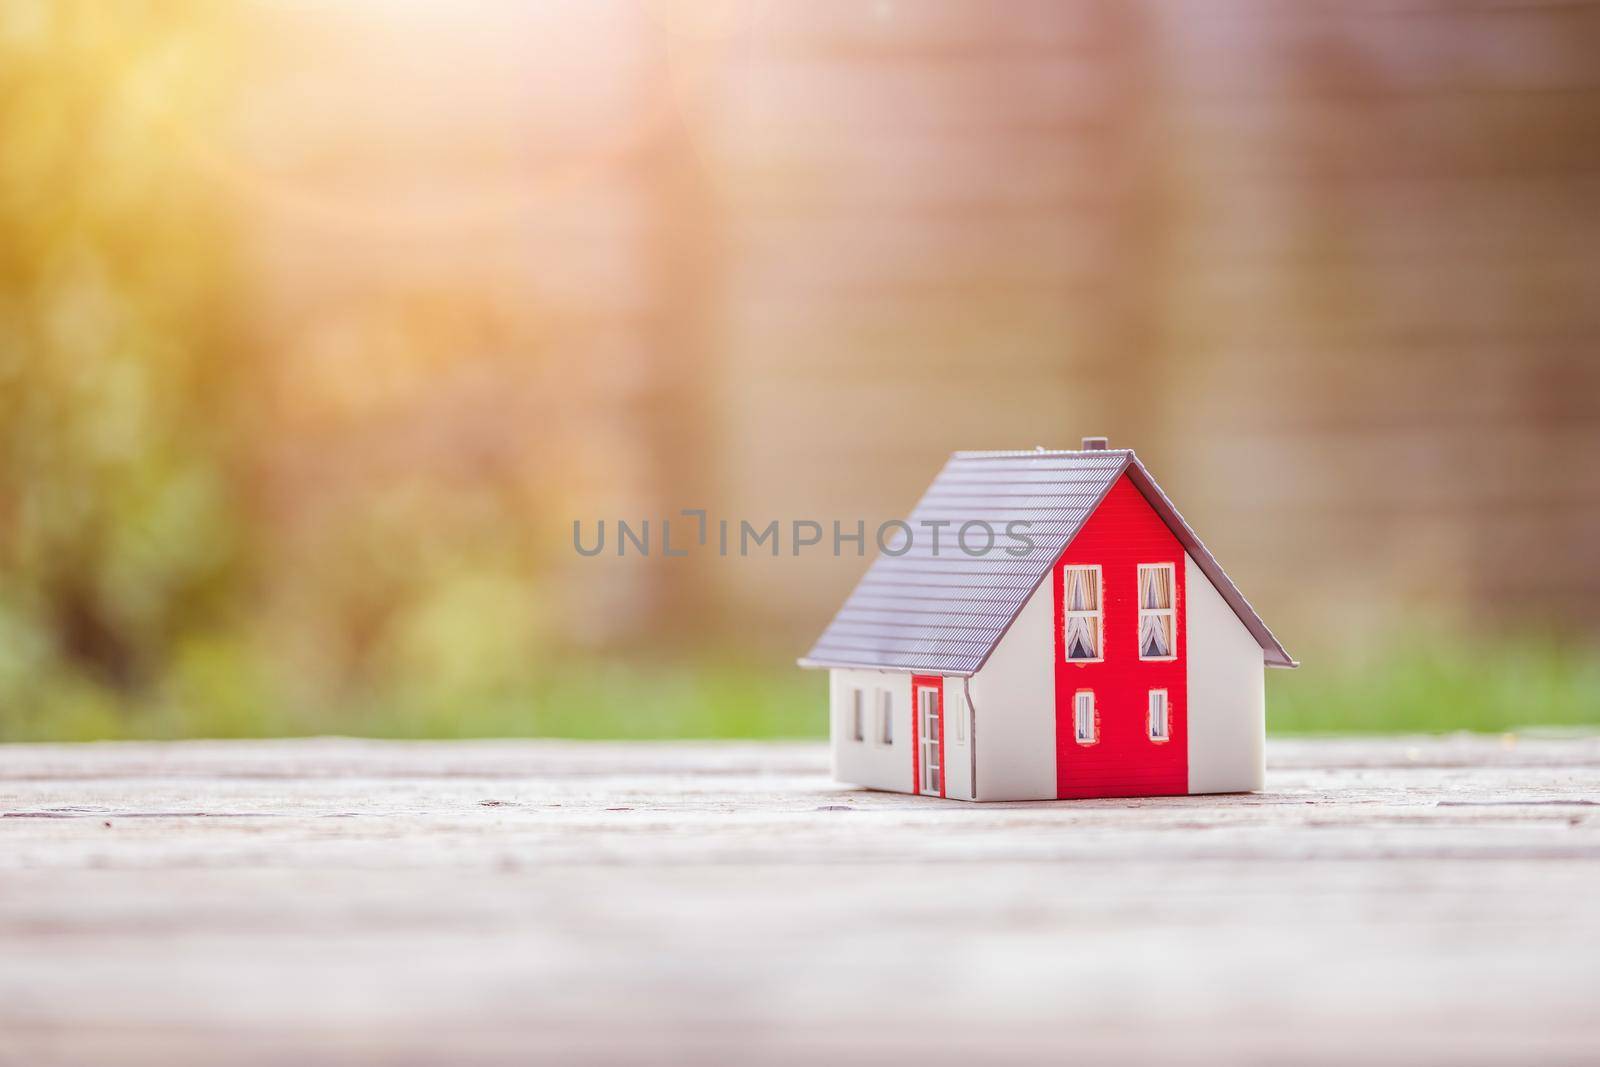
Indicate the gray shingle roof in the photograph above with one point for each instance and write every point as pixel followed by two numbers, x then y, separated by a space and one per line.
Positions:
pixel 945 613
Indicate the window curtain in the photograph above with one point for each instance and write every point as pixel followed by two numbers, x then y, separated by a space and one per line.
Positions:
pixel 1155 587
pixel 1082 640
pixel 1155 638
pixel 1155 595
pixel 1083 631
pixel 1081 592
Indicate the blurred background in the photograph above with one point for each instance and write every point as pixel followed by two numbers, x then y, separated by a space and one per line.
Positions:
pixel 320 323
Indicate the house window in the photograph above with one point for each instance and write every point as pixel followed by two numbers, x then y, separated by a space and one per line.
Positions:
pixel 1156 613
pixel 1158 715
pixel 1083 717
pixel 885 717
pixel 960 733
pixel 858 726
pixel 1080 593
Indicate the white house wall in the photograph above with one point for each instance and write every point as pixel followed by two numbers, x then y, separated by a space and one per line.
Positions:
pixel 1227 694
pixel 869 762
pixel 1014 697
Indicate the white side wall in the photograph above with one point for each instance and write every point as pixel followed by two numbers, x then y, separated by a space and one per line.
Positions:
pixel 1014 697
pixel 1227 694
pixel 870 762
pixel 957 743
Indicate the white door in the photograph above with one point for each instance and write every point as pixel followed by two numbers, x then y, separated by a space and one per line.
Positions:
pixel 928 741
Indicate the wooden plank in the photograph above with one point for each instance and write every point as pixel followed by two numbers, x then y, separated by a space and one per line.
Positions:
pixel 1448 136
pixel 1347 50
pixel 333 901
pixel 773 169
pixel 932 30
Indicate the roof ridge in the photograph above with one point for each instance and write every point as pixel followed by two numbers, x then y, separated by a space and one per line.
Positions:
pixel 1021 453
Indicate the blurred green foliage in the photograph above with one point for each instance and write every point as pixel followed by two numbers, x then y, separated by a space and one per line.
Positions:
pixel 118 535
pixel 175 556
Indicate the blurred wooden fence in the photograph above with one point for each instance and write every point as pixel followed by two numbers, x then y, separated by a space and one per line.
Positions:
pixel 1331 268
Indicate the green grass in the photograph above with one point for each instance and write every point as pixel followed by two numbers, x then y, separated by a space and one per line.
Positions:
pixel 591 698
pixel 1464 685
pixel 617 700
pixel 1475 686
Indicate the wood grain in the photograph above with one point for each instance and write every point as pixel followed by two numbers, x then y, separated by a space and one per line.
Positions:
pixel 336 901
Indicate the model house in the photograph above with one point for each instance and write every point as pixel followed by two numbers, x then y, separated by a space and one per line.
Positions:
pixel 1094 649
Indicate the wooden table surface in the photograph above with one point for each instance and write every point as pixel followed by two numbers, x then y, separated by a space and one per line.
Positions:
pixel 337 901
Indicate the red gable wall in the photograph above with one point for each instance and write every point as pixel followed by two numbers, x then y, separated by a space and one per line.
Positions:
pixel 1122 533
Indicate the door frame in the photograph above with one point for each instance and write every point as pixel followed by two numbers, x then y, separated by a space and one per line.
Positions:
pixel 919 685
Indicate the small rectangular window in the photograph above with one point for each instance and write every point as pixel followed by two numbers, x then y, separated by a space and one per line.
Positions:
pixel 1083 717
pixel 885 717
pixel 1158 715
pixel 858 725
pixel 1080 603
pixel 960 733
pixel 1157 614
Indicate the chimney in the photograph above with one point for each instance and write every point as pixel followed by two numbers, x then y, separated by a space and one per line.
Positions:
pixel 1095 444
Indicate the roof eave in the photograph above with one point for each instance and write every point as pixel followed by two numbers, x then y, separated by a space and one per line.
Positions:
pixel 811 664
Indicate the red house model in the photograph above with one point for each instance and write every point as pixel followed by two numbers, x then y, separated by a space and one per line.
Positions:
pixel 1094 649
